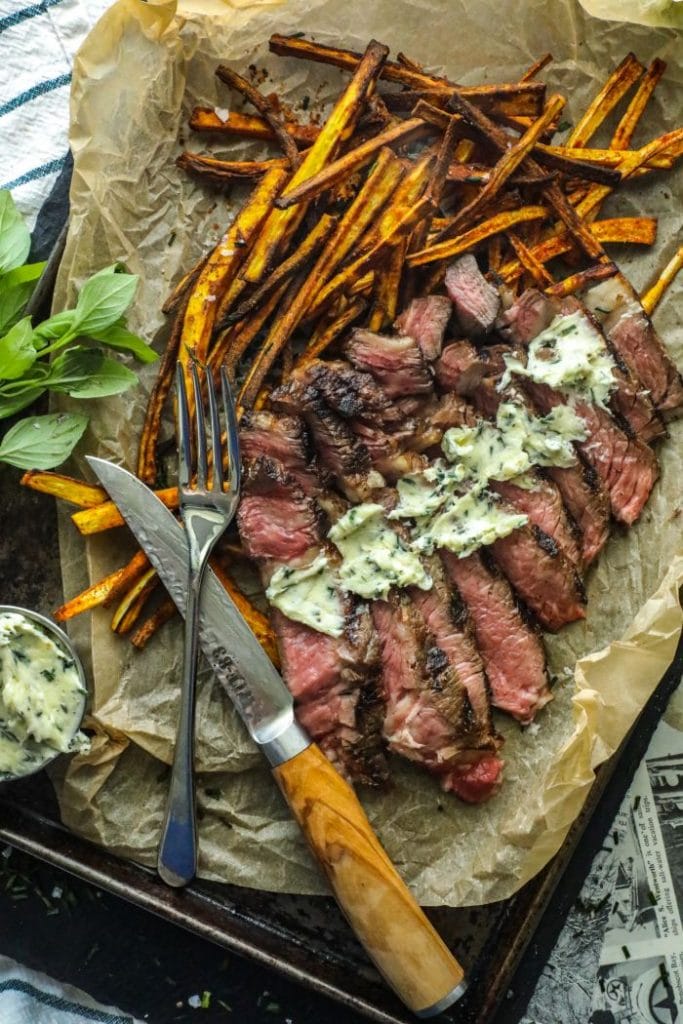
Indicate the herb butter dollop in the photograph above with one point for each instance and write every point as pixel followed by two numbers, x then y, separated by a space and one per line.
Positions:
pixel 310 595
pixel 41 698
pixel 570 356
pixel 374 557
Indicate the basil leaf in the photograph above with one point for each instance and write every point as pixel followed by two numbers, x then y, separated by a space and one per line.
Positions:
pixel 12 404
pixel 17 353
pixel 42 442
pixel 15 240
pixel 16 288
pixel 103 299
pixel 87 373
pixel 120 338
pixel 55 327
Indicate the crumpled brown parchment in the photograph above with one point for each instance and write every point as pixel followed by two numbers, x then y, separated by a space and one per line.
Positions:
pixel 135 80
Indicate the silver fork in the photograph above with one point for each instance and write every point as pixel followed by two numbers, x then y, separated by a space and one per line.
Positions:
pixel 206 513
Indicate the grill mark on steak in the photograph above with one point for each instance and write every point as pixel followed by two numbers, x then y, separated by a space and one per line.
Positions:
pixel 426 320
pixel 276 518
pixel 428 713
pixel 477 302
pixel 632 335
pixel 511 649
pixel 545 508
pixel 284 439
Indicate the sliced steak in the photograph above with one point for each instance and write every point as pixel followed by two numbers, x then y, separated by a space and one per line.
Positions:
pixel 541 575
pixel 396 363
pixel 587 502
pixel 276 518
pixel 476 301
pixel 283 439
pixel 543 504
pixel 626 466
pixel 629 330
pixel 426 320
pixel 511 649
pixel 528 315
pixel 428 712
pixel 461 367
pixel 349 392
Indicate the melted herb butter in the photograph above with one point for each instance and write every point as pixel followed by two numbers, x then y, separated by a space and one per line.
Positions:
pixel 545 440
pixel 466 523
pixel 571 357
pixel 484 452
pixel 374 557
pixel 41 697
pixel 310 595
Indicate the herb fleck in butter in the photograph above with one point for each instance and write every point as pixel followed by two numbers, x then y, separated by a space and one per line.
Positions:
pixel 310 595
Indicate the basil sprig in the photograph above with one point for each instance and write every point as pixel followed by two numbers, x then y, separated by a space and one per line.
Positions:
pixel 36 358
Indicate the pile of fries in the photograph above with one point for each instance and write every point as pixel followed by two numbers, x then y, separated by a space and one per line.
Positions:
pixel 353 218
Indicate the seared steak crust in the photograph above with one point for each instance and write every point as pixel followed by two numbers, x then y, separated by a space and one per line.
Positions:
pixel 396 363
pixel 476 301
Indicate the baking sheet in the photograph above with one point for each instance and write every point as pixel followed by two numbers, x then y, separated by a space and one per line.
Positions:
pixel 135 80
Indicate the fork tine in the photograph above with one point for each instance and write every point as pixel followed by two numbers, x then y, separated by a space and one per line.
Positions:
pixel 215 424
pixel 232 434
pixel 202 461
pixel 183 430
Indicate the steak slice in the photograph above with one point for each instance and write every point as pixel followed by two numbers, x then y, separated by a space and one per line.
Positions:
pixel 428 716
pixel 511 649
pixel 627 467
pixel 397 364
pixel 426 320
pixel 285 440
pixel 528 315
pixel 630 332
pixel 587 502
pixel 476 301
pixel 543 504
pixel 542 576
pixel 276 518
pixel 349 392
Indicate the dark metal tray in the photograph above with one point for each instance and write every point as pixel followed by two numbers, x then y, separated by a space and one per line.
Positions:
pixel 305 938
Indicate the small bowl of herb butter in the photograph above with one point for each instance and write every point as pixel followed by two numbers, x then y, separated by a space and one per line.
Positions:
pixel 42 693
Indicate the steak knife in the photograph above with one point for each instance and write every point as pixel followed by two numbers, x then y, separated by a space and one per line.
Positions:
pixel 387 920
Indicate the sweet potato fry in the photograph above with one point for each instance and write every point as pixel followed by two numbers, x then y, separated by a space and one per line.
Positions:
pixel 616 86
pixel 532 265
pixel 265 108
pixel 329 329
pixel 479 174
pixel 536 67
pixel 347 60
pixel 604 157
pixel 162 614
pixel 388 288
pixel 654 294
pixel 500 222
pixel 221 267
pixel 259 624
pixel 132 603
pixel 280 225
pixel 248 126
pixel 225 172
pixel 629 122
pixel 309 248
pixel 147 450
pixel 506 165
pixel 577 282
pixel 104 591
pixel 179 293
pixel 68 488
pixel 350 162
pixel 233 342
pixel 106 516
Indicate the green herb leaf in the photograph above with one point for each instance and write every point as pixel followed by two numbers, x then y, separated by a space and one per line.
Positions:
pixel 15 240
pixel 87 373
pixel 120 338
pixel 42 442
pixel 12 404
pixel 103 299
pixel 56 326
pixel 16 288
pixel 17 353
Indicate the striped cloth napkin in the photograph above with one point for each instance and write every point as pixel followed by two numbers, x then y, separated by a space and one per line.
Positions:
pixel 38 42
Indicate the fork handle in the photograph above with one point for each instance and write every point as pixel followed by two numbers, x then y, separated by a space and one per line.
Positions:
pixel 387 920
pixel 177 856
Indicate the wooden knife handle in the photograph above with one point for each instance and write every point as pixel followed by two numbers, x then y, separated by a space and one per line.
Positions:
pixel 404 946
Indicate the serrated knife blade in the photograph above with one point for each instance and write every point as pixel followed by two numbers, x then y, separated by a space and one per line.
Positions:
pixel 241 665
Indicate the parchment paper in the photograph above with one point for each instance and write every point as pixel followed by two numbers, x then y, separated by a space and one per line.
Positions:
pixel 135 80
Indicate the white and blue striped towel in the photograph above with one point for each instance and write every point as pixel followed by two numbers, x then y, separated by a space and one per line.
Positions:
pixel 37 42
